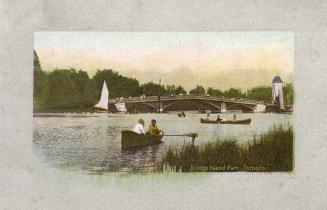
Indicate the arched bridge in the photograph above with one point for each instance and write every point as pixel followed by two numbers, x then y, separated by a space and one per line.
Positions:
pixel 185 102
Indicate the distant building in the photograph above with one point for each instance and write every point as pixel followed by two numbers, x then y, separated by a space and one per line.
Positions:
pixel 277 91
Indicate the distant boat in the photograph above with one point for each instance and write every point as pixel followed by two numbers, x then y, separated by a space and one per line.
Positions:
pixel 260 108
pixel 104 99
pixel 245 121
pixel 121 107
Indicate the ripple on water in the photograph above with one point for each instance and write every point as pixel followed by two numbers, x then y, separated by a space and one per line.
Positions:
pixel 93 144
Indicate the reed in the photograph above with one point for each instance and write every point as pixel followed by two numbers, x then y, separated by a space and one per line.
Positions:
pixel 271 151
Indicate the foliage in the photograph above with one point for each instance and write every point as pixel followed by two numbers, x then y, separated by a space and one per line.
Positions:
pixel 261 93
pixel 152 89
pixel 214 92
pixel 69 88
pixel 273 151
pixel 173 90
pixel 75 90
pixel 118 86
pixel 234 93
pixel 288 93
pixel 198 90
pixel 40 83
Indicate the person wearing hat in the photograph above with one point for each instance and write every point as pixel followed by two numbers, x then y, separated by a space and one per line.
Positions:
pixel 153 128
pixel 139 127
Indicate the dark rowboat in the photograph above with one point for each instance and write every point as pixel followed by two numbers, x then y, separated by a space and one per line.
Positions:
pixel 131 139
pixel 209 121
pixel 245 121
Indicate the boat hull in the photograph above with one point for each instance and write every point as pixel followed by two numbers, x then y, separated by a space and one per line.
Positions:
pixel 209 121
pixel 131 139
pixel 245 121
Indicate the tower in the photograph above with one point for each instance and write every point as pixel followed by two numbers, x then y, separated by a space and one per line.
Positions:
pixel 277 91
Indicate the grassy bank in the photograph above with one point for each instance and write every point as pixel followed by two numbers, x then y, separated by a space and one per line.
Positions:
pixel 272 151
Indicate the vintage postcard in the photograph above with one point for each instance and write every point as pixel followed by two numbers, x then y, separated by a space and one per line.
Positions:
pixel 164 102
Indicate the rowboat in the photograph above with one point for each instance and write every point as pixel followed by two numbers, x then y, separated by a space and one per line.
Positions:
pixel 209 121
pixel 131 139
pixel 245 121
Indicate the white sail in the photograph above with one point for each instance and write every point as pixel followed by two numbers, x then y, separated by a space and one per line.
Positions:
pixel 104 99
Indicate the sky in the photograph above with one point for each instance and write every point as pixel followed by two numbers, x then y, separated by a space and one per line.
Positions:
pixel 216 59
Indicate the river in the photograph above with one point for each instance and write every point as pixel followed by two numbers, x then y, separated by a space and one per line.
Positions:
pixel 92 143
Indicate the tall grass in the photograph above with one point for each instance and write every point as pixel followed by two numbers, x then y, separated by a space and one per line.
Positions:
pixel 271 151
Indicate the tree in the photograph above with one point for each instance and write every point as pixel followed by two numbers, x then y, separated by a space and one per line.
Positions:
pixel 234 93
pixel 171 89
pixel 214 92
pixel 40 90
pixel 198 90
pixel 288 93
pixel 180 90
pixel 68 88
pixel 118 86
pixel 152 89
pixel 260 93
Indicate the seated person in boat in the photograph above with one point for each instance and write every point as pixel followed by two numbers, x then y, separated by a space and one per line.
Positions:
pixel 218 118
pixel 183 114
pixel 139 127
pixel 153 128
pixel 208 116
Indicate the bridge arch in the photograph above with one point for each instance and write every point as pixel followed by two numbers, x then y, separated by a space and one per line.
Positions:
pixel 215 106
pixel 149 105
pixel 212 104
pixel 240 105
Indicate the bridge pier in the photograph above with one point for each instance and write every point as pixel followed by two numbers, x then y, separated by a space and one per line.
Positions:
pixel 223 106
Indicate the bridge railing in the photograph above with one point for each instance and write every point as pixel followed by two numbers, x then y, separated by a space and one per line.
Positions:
pixel 178 97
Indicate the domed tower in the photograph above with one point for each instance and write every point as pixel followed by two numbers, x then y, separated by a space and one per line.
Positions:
pixel 277 91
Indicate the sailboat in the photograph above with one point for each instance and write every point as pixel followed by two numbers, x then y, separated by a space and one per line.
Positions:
pixel 104 99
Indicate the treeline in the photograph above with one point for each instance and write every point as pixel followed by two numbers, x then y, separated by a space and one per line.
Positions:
pixel 74 89
pixel 260 93
pixel 70 89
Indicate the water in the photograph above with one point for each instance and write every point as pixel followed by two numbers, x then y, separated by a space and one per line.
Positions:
pixel 93 144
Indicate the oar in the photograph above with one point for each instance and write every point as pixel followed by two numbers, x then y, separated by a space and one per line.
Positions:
pixel 184 134
pixel 192 135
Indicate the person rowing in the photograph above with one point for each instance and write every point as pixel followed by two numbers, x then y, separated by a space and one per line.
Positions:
pixel 139 127
pixel 183 114
pixel 153 129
